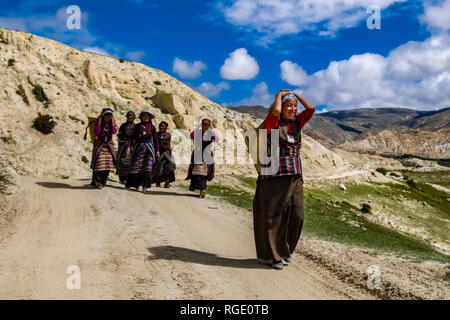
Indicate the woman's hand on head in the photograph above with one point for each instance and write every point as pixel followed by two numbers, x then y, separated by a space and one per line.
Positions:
pixel 276 108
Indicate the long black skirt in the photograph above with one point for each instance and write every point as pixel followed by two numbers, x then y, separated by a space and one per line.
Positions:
pixel 198 183
pixel 278 215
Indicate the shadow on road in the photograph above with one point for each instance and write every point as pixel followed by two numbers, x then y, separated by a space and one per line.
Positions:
pixel 57 185
pixel 199 257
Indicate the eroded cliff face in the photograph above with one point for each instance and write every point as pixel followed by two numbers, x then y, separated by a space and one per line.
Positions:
pixel 422 143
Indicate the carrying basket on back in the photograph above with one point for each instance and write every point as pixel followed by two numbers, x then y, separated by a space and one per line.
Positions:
pixel 253 148
pixel 90 127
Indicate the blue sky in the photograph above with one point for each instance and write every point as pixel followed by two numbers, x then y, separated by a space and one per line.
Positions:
pixel 244 51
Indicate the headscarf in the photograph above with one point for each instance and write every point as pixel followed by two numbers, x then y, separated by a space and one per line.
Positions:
pixel 131 111
pixel 287 96
pixel 106 111
pixel 164 123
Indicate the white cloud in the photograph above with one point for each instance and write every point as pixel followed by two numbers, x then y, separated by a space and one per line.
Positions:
pixel 188 70
pixel 416 60
pixel 97 50
pixel 437 16
pixel 239 66
pixel 211 90
pixel 260 97
pixel 135 55
pixel 276 18
pixel 292 73
pixel 415 75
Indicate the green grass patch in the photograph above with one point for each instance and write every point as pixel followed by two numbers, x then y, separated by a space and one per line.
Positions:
pixel 234 196
pixel 248 181
pixel 424 193
pixel 444 162
pixel 337 223
pixel 441 178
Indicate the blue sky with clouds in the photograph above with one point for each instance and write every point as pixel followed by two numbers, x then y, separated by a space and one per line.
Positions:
pixel 243 51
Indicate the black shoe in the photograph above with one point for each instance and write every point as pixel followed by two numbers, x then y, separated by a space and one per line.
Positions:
pixel 288 259
pixel 167 185
pixel 158 185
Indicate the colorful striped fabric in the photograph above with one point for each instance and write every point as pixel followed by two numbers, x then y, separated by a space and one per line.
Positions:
pixel 144 158
pixel 281 166
pixel 104 160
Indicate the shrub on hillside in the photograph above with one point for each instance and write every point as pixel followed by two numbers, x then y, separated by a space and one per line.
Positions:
pixel 39 93
pixel 382 170
pixel 44 123
pixel 4 182
pixel 411 183
pixel 366 208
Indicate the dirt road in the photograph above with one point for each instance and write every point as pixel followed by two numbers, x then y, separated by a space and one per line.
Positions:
pixel 167 244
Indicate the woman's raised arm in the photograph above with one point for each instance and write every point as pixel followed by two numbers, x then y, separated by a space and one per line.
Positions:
pixel 276 108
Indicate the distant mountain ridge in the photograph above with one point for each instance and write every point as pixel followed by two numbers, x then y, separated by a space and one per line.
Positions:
pixel 388 131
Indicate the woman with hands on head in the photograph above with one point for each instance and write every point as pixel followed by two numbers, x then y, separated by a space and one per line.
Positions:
pixel 278 210
pixel 103 153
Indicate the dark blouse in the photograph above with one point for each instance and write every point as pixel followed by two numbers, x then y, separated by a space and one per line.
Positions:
pixel 126 131
pixel 164 140
pixel 144 132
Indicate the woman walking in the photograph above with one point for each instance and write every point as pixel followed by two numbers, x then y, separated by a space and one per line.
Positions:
pixel 145 154
pixel 103 153
pixel 126 147
pixel 278 210
pixel 201 168
pixel 165 167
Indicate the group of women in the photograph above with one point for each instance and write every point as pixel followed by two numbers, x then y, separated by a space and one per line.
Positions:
pixel 278 210
pixel 144 156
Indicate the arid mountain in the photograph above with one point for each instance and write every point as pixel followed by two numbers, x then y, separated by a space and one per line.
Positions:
pixel 259 112
pixel 387 131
